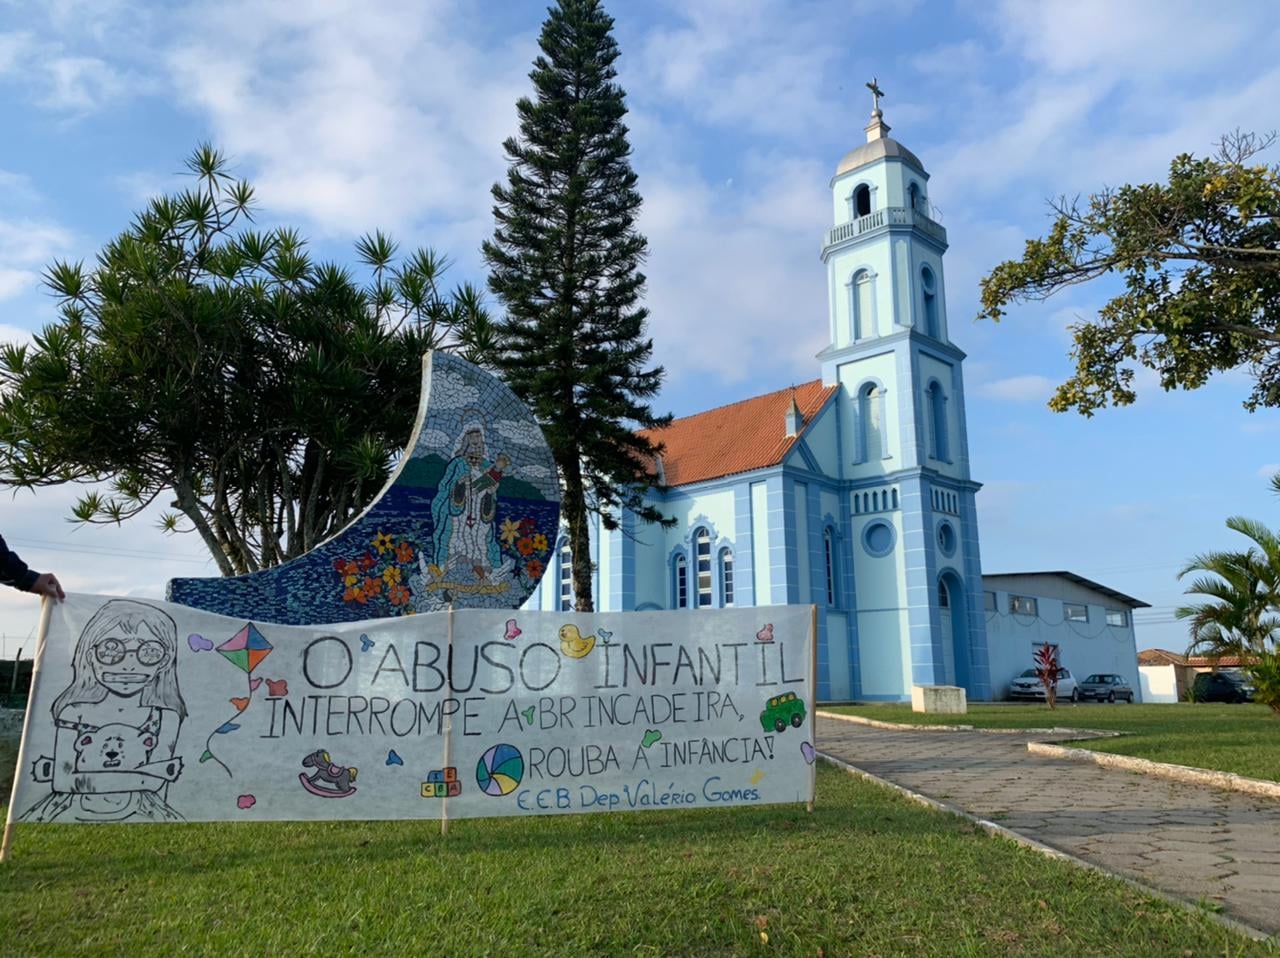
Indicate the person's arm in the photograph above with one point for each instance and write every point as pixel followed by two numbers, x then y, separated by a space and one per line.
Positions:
pixel 14 572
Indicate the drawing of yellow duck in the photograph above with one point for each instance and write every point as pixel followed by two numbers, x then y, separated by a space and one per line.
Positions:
pixel 574 644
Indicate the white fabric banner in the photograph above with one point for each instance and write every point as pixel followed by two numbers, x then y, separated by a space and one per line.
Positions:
pixel 148 711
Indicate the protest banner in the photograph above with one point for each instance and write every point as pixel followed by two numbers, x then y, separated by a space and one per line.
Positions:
pixel 145 711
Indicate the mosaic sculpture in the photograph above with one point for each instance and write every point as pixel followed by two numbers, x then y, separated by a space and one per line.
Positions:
pixel 468 518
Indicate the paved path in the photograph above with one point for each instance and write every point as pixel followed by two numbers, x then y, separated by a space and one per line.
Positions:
pixel 1192 841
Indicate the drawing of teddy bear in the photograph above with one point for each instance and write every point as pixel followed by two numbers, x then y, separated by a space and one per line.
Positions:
pixel 114 747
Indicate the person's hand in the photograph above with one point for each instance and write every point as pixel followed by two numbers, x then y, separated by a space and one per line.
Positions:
pixel 48 584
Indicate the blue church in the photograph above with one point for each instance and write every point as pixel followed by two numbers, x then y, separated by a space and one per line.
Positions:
pixel 852 492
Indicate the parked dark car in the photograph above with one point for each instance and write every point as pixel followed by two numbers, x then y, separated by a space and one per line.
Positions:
pixel 1222 687
pixel 1105 686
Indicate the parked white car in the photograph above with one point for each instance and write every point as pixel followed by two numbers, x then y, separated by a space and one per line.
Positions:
pixel 1028 686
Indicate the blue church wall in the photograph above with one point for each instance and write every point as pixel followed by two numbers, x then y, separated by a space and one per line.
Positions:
pixel 881 614
pixel 744 542
pixel 620 564
pixel 821 441
pixel 781 568
pixel 980 676
pixel 711 504
pixel 760 576
pixel 796 531
pixel 919 572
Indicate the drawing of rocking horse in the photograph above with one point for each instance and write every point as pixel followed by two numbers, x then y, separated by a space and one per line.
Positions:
pixel 328 780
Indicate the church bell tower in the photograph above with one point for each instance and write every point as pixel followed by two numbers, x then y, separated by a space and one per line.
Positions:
pixel 912 534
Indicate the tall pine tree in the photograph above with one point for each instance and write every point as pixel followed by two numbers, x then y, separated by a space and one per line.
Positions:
pixel 564 261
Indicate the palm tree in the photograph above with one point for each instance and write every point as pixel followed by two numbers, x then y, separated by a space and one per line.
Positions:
pixel 1242 617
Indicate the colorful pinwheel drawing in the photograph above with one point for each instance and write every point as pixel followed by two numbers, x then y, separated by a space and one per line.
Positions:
pixel 245 650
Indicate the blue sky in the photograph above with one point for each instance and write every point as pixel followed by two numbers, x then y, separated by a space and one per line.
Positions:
pixel 352 116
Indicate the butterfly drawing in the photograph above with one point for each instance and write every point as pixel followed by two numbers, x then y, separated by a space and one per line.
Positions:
pixel 277 686
pixel 513 631
pixel 366 643
pixel 765 634
pixel 604 636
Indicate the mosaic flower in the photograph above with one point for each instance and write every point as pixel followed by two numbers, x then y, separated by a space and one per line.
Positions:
pixel 366 562
pixel 533 568
pixel 524 546
pixel 398 595
pixel 540 543
pixel 345 567
pixel 508 532
pixel 382 542
pixel 372 586
pixel 354 593
pixel 351 578
pixel 391 575
pixel 404 552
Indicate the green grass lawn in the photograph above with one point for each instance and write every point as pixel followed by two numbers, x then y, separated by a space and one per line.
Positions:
pixel 868 873
pixel 1244 739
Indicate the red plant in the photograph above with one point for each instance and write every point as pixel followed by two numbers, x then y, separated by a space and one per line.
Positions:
pixel 1046 665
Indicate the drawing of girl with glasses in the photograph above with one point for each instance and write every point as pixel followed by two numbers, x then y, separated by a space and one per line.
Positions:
pixel 116 723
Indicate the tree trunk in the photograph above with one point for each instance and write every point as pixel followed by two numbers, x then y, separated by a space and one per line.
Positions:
pixel 574 507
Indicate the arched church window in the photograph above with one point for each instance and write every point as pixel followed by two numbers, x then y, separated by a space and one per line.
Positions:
pixel 937 406
pixel 929 290
pixel 829 553
pixel 944 596
pixel 913 196
pixel 680 583
pixel 566 579
pixel 726 578
pixel 871 425
pixel 702 545
pixel 862 201
pixel 861 304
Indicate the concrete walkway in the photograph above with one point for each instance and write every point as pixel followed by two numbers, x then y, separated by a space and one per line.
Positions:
pixel 1191 841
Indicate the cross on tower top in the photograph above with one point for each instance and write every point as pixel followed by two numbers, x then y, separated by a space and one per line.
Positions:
pixel 876 94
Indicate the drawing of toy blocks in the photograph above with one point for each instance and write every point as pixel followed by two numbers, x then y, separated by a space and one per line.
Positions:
pixel 442 783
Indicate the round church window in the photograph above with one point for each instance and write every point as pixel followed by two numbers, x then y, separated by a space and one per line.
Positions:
pixel 878 538
pixel 946 538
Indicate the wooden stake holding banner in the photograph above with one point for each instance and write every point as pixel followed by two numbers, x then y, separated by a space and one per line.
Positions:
pixel 448 734
pixel 813 686
pixel 46 610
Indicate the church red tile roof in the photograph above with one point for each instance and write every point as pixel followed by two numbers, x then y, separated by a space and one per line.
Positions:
pixel 740 437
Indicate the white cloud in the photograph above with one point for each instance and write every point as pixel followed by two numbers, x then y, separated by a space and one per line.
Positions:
pixel 12 334
pixel 26 247
pixel 56 77
pixel 1028 388
pixel 1269 470
pixel 355 116
pixel 768 67
pixel 735 287
pixel 1138 36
